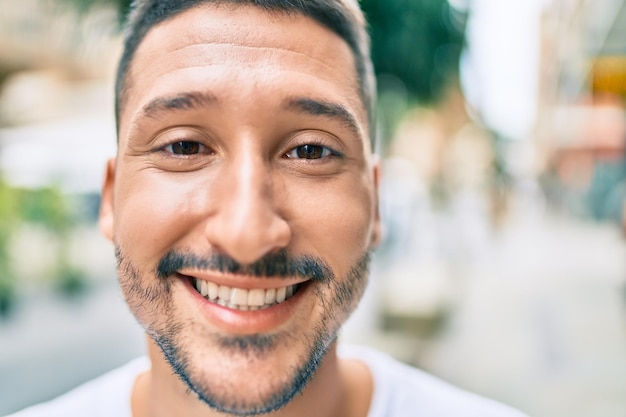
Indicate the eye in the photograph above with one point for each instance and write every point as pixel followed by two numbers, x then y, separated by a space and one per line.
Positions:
pixel 184 147
pixel 310 151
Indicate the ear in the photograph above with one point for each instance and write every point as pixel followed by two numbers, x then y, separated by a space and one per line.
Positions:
pixel 377 232
pixel 106 219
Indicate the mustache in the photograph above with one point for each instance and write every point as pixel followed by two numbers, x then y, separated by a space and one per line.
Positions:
pixel 278 264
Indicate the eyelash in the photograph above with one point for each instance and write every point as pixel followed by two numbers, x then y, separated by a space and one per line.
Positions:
pixel 169 148
pixel 326 151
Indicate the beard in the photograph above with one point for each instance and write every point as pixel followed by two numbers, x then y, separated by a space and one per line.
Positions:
pixel 183 343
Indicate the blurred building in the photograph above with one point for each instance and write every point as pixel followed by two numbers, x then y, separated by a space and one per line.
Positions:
pixel 56 66
pixel 581 131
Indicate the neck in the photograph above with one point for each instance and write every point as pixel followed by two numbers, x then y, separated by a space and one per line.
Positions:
pixel 338 389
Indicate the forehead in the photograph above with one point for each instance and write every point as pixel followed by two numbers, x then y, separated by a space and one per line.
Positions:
pixel 243 24
pixel 221 46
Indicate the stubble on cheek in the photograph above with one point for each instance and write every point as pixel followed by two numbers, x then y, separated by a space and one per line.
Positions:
pixel 149 298
pixel 345 293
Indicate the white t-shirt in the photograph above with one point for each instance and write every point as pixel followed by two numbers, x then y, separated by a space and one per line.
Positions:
pixel 399 391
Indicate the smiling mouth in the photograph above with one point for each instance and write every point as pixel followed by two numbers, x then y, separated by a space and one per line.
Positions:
pixel 244 299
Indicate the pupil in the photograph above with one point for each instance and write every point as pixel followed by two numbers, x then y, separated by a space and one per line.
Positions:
pixel 309 151
pixel 186 148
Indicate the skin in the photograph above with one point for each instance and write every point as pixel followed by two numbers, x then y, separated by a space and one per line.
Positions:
pixel 236 84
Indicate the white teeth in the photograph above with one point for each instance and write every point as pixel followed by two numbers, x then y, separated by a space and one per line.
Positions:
pixel 270 296
pixel 213 290
pixel 204 288
pixel 256 297
pixel 239 297
pixel 281 294
pixel 242 299
pixel 224 293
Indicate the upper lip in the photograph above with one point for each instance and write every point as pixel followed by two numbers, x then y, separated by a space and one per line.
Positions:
pixel 242 281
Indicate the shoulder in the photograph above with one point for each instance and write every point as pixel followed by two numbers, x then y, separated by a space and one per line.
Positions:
pixel 401 390
pixel 107 395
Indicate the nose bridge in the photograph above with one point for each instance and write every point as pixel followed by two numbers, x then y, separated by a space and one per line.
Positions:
pixel 248 224
pixel 251 190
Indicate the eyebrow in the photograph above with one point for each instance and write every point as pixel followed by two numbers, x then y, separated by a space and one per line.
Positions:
pixel 331 110
pixel 182 101
pixel 197 99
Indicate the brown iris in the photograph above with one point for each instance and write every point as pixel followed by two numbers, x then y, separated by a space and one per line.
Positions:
pixel 310 151
pixel 185 148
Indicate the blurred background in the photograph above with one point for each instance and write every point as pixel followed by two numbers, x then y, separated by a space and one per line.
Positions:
pixel 502 129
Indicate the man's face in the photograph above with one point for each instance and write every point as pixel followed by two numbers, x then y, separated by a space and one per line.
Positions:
pixel 243 175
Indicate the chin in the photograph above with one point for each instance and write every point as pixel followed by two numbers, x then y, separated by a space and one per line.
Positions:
pixel 248 375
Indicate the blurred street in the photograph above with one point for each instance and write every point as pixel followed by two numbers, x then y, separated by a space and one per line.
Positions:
pixel 51 345
pixel 539 322
pixel 538 319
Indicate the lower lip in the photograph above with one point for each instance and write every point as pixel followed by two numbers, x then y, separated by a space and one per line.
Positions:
pixel 247 322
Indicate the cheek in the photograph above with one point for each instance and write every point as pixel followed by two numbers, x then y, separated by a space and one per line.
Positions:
pixel 336 220
pixel 152 213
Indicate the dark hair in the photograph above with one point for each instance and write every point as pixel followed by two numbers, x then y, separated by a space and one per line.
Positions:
pixel 343 17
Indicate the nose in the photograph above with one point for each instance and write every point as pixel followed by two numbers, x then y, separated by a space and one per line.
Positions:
pixel 246 223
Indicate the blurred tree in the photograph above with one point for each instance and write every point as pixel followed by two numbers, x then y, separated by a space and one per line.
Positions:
pixel 122 6
pixel 46 207
pixel 51 209
pixel 417 41
pixel 9 218
pixel 416 48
